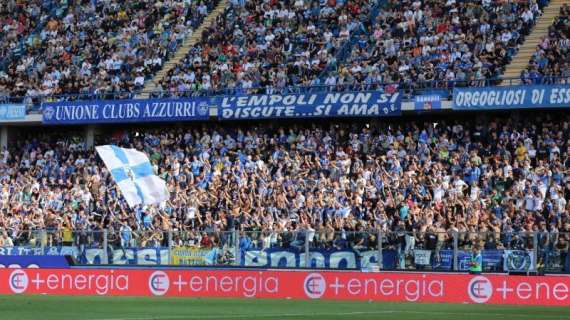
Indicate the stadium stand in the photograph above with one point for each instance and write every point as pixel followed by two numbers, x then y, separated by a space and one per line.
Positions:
pixel 411 43
pixel 180 54
pixel 418 181
pixel 267 44
pixel 97 48
pixel 550 60
pixel 500 176
pixel 449 43
pixel 18 21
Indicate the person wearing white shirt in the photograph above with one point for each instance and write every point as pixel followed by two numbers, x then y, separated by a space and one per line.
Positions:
pixel 527 16
pixel 330 80
pixel 529 202
pixel 506 36
pixel 438 193
pixel 475 191
pixel 560 204
pixel 139 81
pixel 506 169
pixel 5 240
pixel 554 151
pixel 538 203
pixel 542 189
pixel 459 186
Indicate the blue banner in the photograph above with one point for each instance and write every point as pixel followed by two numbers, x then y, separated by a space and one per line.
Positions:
pixel 129 256
pixel 38 251
pixel 513 97
pixel 519 260
pixel 427 102
pixel 273 257
pixel 12 112
pixel 310 105
pixel 33 262
pixel 492 260
pixel 118 111
pixel 318 258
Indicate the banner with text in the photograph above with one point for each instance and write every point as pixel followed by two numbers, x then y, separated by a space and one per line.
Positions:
pixel 310 105
pixel 33 262
pixel 325 285
pixel 118 111
pixel 318 258
pixel 96 256
pixel 492 260
pixel 512 97
pixel 193 256
pixel 9 112
pixel 427 102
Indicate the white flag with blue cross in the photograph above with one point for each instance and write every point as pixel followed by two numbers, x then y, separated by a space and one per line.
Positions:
pixel 133 173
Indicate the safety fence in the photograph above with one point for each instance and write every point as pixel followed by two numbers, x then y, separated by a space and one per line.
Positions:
pixel 323 249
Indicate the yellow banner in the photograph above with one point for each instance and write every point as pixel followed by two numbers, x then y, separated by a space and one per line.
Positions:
pixel 189 256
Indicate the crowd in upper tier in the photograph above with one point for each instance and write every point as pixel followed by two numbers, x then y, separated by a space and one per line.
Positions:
pixel 552 57
pixel 105 48
pixel 89 47
pixel 268 46
pixel 449 42
pixel 17 20
pixel 492 178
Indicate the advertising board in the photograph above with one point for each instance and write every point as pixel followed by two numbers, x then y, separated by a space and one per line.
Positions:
pixel 330 285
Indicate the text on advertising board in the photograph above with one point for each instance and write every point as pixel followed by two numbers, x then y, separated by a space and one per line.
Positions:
pixel 417 287
pixel 109 111
pixel 10 112
pixel 513 97
pixel 331 104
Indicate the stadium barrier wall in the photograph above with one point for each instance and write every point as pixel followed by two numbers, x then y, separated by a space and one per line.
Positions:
pixel 268 106
pixel 326 285
pixel 378 100
pixel 523 252
pixel 365 102
pixel 42 261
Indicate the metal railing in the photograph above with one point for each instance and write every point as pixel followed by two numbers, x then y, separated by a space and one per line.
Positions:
pixel 323 248
pixel 443 87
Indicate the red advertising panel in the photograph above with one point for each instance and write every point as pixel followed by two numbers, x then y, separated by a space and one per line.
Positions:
pixel 380 286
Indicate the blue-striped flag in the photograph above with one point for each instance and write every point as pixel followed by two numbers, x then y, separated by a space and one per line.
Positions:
pixel 134 175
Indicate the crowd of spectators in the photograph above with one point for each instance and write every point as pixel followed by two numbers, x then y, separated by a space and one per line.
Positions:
pixel 552 57
pixel 100 47
pixel 268 45
pixel 333 185
pixel 263 46
pixel 439 42
pixel 17 20
pixel 338 185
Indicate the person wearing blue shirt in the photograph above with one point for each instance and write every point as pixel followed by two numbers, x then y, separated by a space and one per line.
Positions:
pixel 126 236
pixel 244 243
pixel 404 212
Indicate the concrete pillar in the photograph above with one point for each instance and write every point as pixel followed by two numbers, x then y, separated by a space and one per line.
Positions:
pixel 4 137
pixel 89 136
